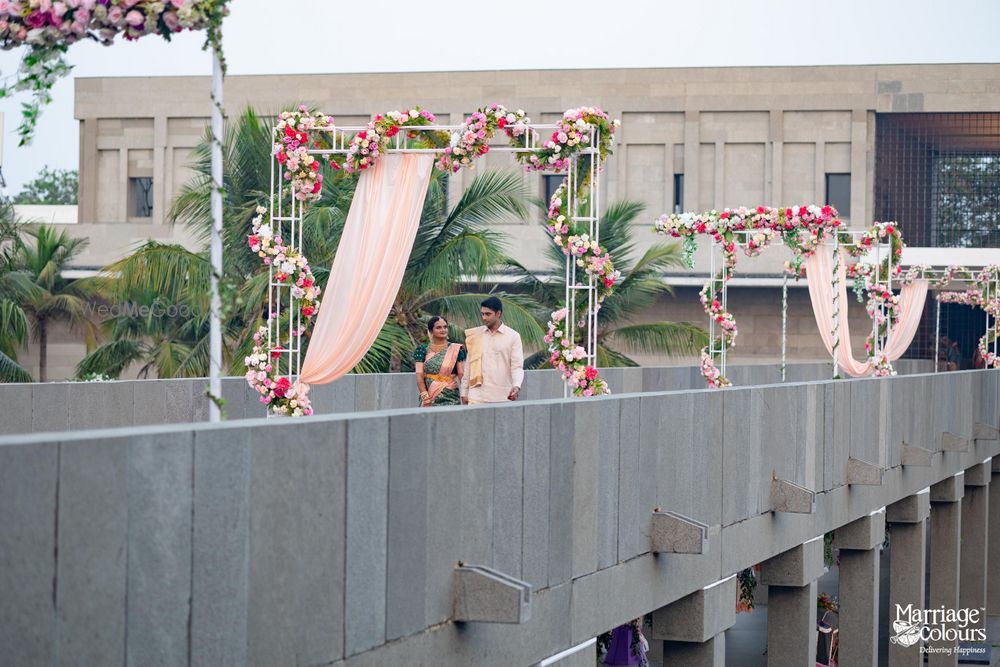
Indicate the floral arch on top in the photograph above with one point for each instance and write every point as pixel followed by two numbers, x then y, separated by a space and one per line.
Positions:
pixel 576 145
pixel 805 230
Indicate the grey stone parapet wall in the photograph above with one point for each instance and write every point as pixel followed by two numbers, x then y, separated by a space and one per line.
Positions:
pixel 332 540
pixel 68 406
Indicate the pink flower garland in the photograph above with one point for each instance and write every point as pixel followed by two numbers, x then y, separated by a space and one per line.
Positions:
pixel 370 144
pixel 289 267
pixel 291 150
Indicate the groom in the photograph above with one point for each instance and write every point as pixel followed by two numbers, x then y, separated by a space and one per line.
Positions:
pixel 494 368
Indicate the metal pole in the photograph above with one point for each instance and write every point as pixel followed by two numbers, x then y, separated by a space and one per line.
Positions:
pixel 836 303
pixel 784 322
pixel 215 327
pixel 937 334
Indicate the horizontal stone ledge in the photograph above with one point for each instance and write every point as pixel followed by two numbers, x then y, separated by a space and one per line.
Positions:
pixel 799 566
pixel 790 497
pixel 979 474
pixel 678 534
pixel 954 443
pixel 699 616
pixel 864 473
pixel 862 534
pixel 916 456
pixel 949 490
pixel 911 509
pixel 484 595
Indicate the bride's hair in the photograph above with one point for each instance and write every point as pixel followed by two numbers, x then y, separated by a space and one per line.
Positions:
pixel 431 322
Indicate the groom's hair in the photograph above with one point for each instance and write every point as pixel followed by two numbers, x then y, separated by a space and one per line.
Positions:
pixel 493 304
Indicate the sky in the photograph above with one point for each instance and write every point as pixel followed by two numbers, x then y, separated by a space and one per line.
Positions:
pixel 326 36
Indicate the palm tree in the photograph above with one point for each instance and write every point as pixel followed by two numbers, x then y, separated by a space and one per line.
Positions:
pixel 47 297
pixel 14 290
pixel 160 315
pixel 639 288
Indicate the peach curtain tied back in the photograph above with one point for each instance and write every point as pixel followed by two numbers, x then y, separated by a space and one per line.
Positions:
pixel 368 268
pixel 819 272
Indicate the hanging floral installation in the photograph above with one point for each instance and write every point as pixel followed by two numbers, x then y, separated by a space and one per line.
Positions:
pixel 983 293
pixel 802 229
pixel 47 28
pixel 299 131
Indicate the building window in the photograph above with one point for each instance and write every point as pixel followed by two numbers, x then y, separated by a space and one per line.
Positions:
pixel 552 183
pixel 140 197
pixel 678 193
pixel 838 193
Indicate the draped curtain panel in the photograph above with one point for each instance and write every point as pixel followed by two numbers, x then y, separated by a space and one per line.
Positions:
pixel 819 273
pixel 368 268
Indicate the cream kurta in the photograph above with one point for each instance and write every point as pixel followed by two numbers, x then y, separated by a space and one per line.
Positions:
pixel 502 365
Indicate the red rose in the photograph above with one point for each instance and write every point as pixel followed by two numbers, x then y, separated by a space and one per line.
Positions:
pixel 276 352
pixel 282 157
pixel 608 282
pixel 803 210
pixel 315 165
pixel 362 134
pixel 281 387
pixel 290 132
pixel 590 373
pixel 333 163
pixel 502 123
pixel 889 229
pixel 307 283
pixel 484 149
pixel 760 209
pixel 827 210
pixel 724 215
pixel 555 137
pixel 253 240
pixel 308 311
pixel 393 131
pixel 317 187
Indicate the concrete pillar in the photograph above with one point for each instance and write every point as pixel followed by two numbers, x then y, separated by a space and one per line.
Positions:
pixel 907 567
pixel 693 628
pixel 993 556
pixel 859 543
pixel 975 524
pixel 946 550
pixel 791 603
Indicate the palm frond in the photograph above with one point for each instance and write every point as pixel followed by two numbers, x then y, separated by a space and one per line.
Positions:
pixel 11 371
pixel 111 358
pixel 670 339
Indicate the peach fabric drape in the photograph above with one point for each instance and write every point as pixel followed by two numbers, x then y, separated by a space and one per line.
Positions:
pixel 819 273
pixel 368 269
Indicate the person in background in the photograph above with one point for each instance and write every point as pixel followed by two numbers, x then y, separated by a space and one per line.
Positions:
pixel 439 366
pixel 495 359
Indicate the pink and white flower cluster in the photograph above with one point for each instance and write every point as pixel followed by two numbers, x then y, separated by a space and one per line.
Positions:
pixel 570 359
pixel 288 267
pixel 370 144
pixel 477 130
pixel 278 393
pixel 573 134
pixel 970 297
pixel 291 150
pixel 63 22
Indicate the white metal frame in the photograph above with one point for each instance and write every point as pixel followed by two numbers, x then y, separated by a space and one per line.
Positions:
pixel 741 237
pixel 932 272
pixel 286 215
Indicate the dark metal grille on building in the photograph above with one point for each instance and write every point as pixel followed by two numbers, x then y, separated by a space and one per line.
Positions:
pixel 938 175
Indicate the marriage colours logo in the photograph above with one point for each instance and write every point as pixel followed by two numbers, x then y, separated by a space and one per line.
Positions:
pixel 941 625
